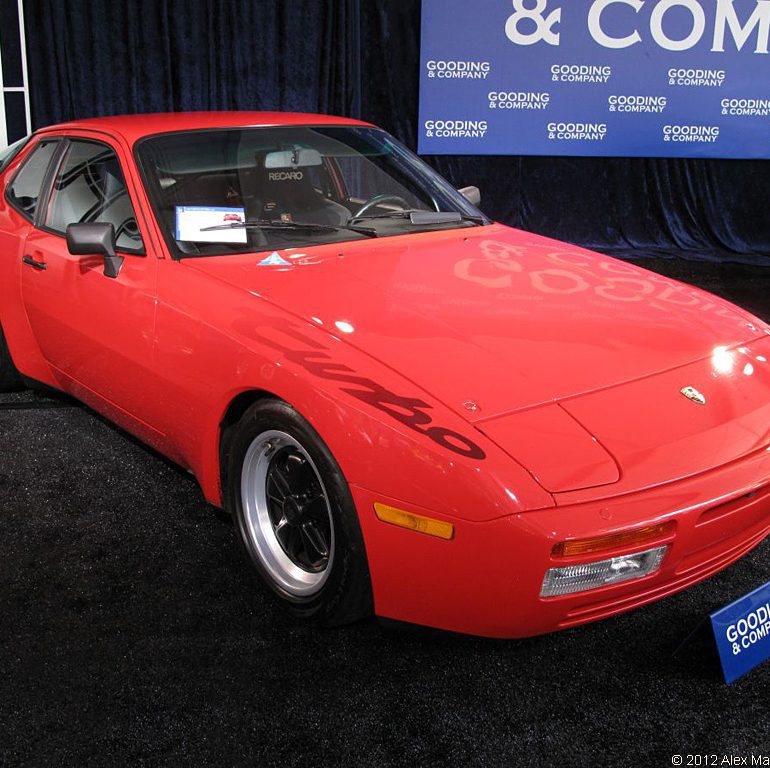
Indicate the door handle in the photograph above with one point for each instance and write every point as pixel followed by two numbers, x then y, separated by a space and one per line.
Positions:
pixel 30 262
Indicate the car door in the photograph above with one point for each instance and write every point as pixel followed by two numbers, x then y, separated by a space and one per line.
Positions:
pixel 22 193
pixel 96 333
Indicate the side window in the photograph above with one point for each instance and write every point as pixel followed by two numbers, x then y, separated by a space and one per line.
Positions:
pixel 7 155
pixel 90 188
pixel 24 190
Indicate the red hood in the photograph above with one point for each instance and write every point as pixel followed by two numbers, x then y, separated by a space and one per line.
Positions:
pixel 495 316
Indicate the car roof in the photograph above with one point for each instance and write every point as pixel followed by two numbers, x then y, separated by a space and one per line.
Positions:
pixel 135 127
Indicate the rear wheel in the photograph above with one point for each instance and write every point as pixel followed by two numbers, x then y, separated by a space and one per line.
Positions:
pixel 295 516
pixel 9 376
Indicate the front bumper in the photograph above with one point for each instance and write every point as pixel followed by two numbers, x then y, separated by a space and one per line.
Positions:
pixel 487 580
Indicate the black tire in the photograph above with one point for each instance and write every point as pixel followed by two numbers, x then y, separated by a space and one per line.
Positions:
pixel 9 376
pixel 345 595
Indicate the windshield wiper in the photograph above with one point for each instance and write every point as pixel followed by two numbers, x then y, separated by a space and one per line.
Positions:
pixel 299 225
pixel 426 217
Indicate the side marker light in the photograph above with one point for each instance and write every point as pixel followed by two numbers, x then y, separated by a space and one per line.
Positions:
pixel 412 522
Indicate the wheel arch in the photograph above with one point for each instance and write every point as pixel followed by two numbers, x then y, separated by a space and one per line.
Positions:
pixel 234 412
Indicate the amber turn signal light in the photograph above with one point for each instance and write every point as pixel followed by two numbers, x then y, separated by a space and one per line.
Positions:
pixel 413 522
pixel 614 541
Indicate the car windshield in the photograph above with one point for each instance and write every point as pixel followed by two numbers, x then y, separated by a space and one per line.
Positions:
pixel 254 189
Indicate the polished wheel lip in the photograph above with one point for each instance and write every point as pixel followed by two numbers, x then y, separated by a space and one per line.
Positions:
pixel 287 574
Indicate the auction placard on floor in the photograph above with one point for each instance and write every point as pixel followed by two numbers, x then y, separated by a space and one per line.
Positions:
pixel 742 633
pixel 650 78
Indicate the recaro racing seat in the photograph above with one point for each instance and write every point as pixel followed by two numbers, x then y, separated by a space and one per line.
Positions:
pixel 289 193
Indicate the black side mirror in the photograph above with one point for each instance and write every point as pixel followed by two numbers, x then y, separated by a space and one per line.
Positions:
pixel 88 239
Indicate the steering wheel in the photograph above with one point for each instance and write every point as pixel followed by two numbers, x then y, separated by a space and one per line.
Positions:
pixel 373 202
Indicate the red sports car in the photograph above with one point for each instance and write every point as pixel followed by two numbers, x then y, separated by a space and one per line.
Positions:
pixel 407 408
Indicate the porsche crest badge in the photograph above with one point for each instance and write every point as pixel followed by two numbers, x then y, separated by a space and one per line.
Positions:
pixel 692 394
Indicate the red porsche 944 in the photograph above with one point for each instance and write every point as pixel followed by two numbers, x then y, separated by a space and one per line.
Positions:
pixel 408 409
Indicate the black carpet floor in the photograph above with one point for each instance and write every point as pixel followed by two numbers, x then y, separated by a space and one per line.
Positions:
pixel 131 632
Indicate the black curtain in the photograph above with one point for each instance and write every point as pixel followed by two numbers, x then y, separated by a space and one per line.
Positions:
pixel 361 58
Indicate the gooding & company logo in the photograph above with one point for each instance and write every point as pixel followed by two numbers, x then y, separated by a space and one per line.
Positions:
pixel 456 129
pixel 746 107
pixel 580 73
pixel 541 23
pixel 449 69
pixel 691 134
pixel 518 100
pixel 577 131
pixel 697 78
pixel 649 104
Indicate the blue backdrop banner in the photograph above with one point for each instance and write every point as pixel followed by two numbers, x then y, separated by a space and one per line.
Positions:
pixel 622 78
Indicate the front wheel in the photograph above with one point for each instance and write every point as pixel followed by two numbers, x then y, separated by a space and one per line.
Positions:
pixel 295 515
pixel 9 376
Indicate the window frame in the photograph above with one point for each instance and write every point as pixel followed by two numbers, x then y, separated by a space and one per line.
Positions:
pixel 53 173
pixel 44 187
